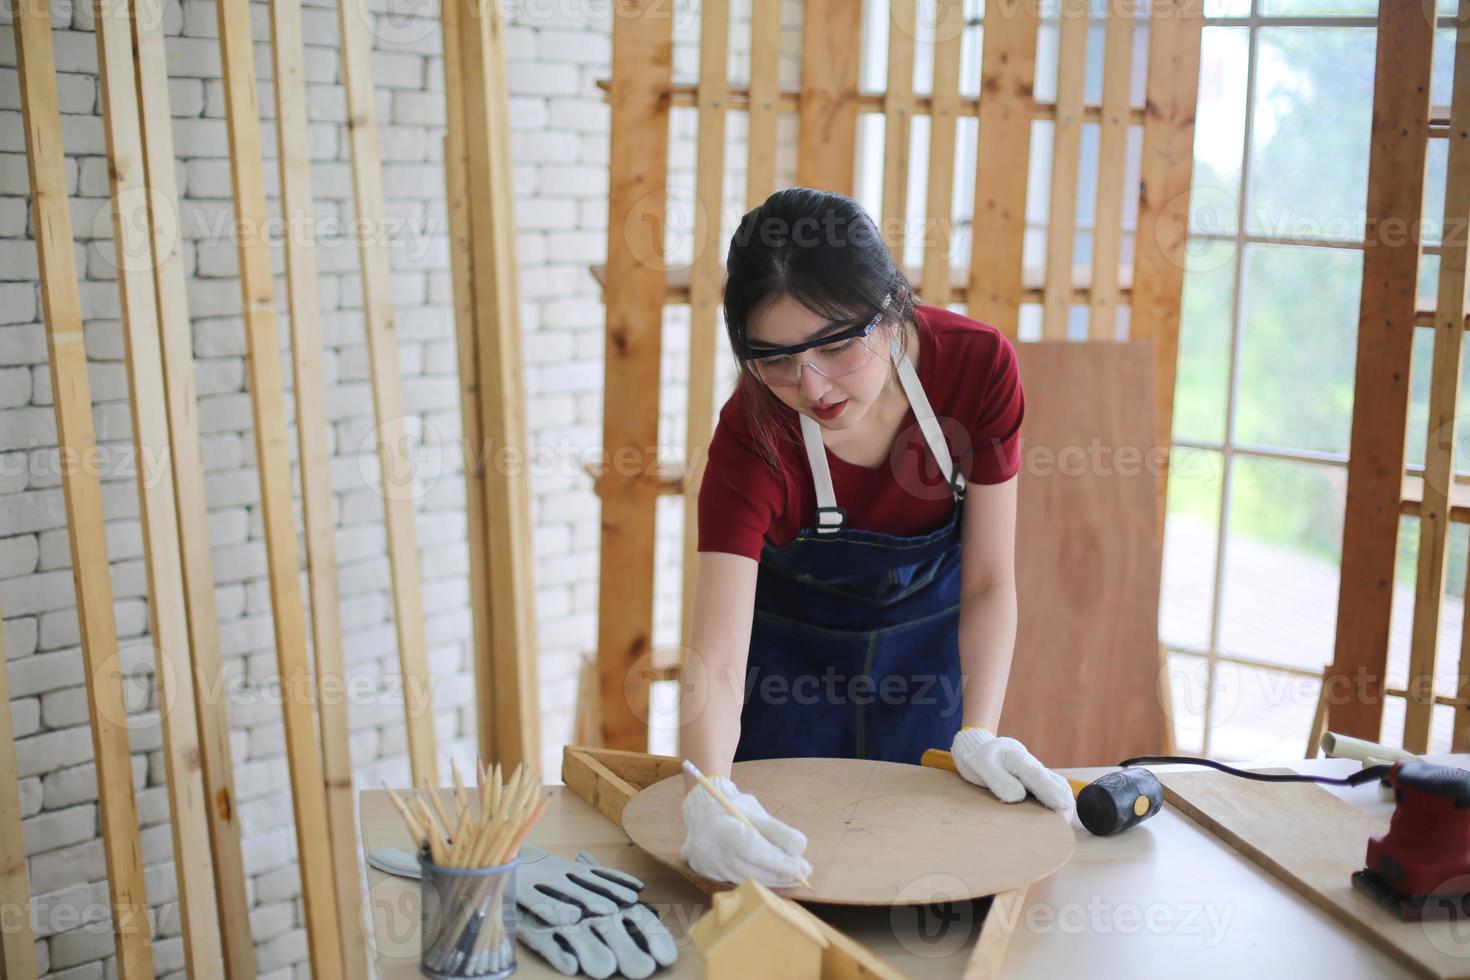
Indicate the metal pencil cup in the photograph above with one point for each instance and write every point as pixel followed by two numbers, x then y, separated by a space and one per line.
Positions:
pixel 468 920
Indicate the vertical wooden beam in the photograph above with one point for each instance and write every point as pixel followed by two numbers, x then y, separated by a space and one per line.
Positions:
pixel 706 282
pixel 898 116
pixel 462 280
pixel 178 716
pixel 636 266
pixel 268 404
pixel 17 941
pixel 510 659
pixel 1066 156
pixel 1002 158
pixel 765 94
pixel 293 155
pixel 1440 441
pixel 61 302
pixel 826 150
pixel 177 346
pixel 1162 238
pixel 949 28
pixel 1112 157
pixel 1399 140
pixel 382 334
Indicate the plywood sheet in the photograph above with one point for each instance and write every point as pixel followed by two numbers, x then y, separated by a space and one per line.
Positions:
pixel 878 833
pixel 1313 841
pixel 1084 677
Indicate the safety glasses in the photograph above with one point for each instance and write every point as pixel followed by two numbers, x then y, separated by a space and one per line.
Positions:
pixel 833 356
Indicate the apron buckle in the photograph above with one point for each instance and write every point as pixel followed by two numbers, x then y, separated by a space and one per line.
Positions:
pixel 829 519
pixel 957 483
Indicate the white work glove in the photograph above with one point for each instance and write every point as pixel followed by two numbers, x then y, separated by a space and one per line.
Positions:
pixel 719 846
pixel 1004 766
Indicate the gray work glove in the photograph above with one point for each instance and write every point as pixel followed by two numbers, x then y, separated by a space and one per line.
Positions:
pixel 585 917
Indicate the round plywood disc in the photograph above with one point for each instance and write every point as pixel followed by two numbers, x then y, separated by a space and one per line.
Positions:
pixel 878 833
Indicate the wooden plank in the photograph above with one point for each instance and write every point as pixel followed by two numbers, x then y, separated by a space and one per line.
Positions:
pixel 1086 653
pixel 267 399
pixel 1312 841
pixel 707 280
pixel 949 29
pixel 511 658
pixel 826 146
pixel 168 619
pixel 17 940
pixel 1112 157
pixel 177 346
pixel 995 934
pixel 1163 203
pixel 1066 158
pixel 641 71
pixel 61 310
pixel 997 233
pixel 898 114
pixel 314 459
pixel 1381 384
pixel 594 782
pixel 394 463
pixel 764 94
pixel 462 281
pixel 1442 424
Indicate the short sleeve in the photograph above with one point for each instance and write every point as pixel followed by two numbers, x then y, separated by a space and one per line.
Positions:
pixel 996 433
pixel 739 496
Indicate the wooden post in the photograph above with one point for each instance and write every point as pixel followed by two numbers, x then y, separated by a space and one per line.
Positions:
pixel 294 160
pixel 634 295
pixel 510 725
pixel 1066 156
pixel 1162 240
pixel 1396 158
pixel 997 234
pixel 1112 155
pixel 268 403
pixel 17 943
pixel 827 131
pixel 898 118
pixel 944 106
pixel 61 302
pixel 177 348
pixel 706 275
pixel 178 718
pixel 396 467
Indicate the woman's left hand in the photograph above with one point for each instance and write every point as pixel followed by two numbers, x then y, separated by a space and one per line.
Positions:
pixel 1005 767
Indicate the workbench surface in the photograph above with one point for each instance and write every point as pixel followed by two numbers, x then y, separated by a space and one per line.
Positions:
pixel 1164 899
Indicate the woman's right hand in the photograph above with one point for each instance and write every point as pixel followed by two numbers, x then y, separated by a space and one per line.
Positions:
pixel 719 846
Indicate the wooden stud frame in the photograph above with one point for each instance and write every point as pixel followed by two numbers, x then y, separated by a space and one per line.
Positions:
pixel 637 283
pixel 61 301
pixel 268 404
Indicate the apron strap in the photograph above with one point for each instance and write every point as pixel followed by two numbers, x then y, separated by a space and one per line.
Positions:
pixel 928 424
pixel 830 517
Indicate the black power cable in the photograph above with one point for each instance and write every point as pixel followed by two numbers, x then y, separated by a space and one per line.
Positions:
pixel 1356 779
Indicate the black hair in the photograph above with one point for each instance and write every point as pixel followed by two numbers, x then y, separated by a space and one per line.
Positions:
pixel 821 249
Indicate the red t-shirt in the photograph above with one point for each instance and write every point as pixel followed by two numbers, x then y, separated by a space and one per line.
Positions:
pixel 968 370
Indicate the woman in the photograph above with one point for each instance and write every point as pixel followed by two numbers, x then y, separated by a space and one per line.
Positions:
pixel 855 594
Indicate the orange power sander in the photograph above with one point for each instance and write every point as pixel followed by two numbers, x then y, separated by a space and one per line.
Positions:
pixel 1420 869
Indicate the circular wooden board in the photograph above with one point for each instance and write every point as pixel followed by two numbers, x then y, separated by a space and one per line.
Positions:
pixel 878 833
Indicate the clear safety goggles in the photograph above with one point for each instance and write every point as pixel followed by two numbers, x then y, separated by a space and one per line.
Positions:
pixel 832 356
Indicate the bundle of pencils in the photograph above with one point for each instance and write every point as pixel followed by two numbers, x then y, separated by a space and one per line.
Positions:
pixel 469 936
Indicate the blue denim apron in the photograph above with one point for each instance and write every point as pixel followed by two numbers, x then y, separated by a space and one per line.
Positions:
pixel 854 647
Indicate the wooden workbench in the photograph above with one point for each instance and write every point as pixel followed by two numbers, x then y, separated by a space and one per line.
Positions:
pixel 1165 899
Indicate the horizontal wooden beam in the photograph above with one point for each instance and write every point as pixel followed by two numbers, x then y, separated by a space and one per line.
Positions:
pixel 738 99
